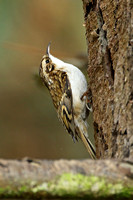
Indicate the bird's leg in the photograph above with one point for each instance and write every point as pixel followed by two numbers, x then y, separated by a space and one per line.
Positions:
pixel 88 95
pixel 74 138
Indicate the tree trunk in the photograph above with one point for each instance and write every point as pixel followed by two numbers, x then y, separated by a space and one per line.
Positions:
pixel 109 38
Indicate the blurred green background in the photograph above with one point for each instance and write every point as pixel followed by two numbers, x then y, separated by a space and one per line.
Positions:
pixel 28 122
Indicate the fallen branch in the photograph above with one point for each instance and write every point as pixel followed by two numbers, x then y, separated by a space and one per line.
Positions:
pixel 65 178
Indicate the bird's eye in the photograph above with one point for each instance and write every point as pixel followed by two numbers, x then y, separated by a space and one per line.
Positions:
pixel 47 61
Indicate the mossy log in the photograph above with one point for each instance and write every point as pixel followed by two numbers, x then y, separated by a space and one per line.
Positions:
pixel 31 178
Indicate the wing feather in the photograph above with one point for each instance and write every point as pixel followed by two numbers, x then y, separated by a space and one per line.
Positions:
pixel 65 110
pixel 75 126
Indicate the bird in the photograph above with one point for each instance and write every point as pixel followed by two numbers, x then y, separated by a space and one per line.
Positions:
pixel 67 86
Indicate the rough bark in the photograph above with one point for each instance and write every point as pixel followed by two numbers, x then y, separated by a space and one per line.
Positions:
pixel 109 32
pixel 66 178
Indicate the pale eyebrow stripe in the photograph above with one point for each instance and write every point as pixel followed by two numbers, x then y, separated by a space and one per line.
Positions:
pixel 45 57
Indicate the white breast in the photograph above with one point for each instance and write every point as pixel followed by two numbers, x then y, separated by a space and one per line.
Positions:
pixel 77 81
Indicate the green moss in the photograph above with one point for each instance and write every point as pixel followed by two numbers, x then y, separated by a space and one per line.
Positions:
pixel 71 185
pixel 78 185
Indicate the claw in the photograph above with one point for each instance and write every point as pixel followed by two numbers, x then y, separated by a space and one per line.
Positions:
pixel 88 99
pixel 89 107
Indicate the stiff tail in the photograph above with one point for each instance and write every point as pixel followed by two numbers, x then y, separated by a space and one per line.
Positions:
pixel 81 132
pixel 89 146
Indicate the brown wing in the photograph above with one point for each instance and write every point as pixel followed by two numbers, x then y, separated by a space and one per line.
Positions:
pixel 65 110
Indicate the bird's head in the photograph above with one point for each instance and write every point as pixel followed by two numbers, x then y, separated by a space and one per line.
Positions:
pixel 49 65
pixel 46 65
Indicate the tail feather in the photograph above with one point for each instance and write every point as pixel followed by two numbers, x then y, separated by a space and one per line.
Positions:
pixel 82 133
pixel 89 146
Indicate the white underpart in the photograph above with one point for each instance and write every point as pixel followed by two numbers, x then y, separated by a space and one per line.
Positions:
pixel 77 81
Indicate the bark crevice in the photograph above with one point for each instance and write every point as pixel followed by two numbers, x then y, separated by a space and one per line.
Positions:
pixel 105 51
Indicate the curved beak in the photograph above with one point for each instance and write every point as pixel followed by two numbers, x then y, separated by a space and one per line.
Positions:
pixel 48 49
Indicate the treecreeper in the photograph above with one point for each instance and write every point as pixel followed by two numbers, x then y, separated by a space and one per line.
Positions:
pixel 67 86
